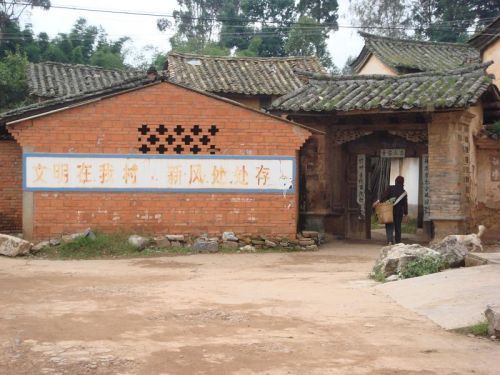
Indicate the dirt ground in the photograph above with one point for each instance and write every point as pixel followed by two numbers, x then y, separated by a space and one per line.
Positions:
pixel 295 313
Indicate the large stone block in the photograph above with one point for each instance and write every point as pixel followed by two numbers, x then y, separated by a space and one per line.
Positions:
pixel 13 246
pixel 492 313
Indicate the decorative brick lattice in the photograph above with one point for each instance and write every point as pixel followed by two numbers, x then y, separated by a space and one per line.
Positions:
pixel 344 136
pixel 416 136
pixel 178 139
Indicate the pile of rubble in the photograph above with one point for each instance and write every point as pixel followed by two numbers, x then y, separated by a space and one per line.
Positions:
pixel 13 246
pixel 305 241
pixel 394 258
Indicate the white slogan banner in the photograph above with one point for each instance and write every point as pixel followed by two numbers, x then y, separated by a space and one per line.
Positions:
pixel 207 173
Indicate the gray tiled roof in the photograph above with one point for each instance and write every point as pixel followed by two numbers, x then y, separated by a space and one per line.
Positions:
pixel 69 99
pixel 53 80
pixel 240 75
pixel 410 56
pixel 490 34
pixel 425 91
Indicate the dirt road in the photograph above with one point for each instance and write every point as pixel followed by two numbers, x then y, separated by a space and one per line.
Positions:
pixel 298 313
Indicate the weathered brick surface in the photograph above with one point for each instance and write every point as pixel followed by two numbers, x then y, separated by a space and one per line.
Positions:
pixel 110 126
pixel 446 177
pixel 10 187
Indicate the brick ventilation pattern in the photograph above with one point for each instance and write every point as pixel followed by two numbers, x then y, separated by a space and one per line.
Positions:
pixel 178 139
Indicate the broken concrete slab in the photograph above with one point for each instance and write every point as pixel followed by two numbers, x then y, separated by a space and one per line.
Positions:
pixel 454 298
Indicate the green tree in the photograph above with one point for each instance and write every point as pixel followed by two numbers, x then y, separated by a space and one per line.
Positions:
pixel 11 10
pixel 271 20
pixel 443 20
pixel 382 17
pixel 322 11
pixel 235 28
pixel 347 69
pixel 13 80
pixel 307 38
pixel 195 45
pixel 450 21
pixel 195 22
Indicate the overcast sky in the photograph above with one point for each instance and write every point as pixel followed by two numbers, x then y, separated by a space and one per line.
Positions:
pixel 143 31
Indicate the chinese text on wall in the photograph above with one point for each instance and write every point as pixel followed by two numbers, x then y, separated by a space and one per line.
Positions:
pixel 170 173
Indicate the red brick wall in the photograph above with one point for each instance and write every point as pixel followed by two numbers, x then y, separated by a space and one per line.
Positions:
pixel 10 187
pixel 110 126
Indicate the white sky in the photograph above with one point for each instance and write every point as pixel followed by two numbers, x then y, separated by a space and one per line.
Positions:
pixel 143 31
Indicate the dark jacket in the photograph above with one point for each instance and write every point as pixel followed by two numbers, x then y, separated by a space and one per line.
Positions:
pixel 394 191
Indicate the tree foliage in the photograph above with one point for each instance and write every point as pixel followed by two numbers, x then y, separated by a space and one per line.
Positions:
pixel 13 80
pixel 322 11
pixel 307 38
pixel 254 27
pixel 382 17
pixel 84 44
pixel 450 20
pixel 435 20
pixel 11 10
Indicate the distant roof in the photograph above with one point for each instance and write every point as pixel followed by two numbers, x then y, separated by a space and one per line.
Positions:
pixel 490 34
pixel 240 75
pixel 421 91
pixel 119 87
pixel 406 56
pixel 55 80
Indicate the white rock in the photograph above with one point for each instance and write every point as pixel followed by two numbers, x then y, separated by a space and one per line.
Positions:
pixel 393 258
pixel 493 315
pixel 71 237
pixel 229 236
pixel 248 248
pixel 392 278
pixel 39 246
pixel 138 241
pixel 54 242
pixel 13 246
pixel 269 243
pixel 453 251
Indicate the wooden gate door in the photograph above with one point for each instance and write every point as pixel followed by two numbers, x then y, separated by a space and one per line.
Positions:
pixel 356 224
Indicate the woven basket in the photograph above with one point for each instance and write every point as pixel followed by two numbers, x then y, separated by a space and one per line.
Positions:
pixel 384 213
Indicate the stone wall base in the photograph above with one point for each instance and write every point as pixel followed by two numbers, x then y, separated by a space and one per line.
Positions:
pixel 443 228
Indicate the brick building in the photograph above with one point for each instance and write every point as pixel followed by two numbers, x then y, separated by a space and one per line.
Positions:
pixel 139 153
pixel 412 100
pixel 429 106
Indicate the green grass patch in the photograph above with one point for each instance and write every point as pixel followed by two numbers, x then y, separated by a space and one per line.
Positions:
pixel 103 246
pixel 423 266
pixel 378 275
pixel 478 329
pixel 108 246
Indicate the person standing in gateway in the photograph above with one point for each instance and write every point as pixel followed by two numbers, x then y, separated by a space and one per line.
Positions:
pixel 400 209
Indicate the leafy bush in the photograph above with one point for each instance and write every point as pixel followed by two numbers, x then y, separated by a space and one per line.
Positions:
pixel 377 274
pixel 423 266
pixel 494 128
pixel 478 329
